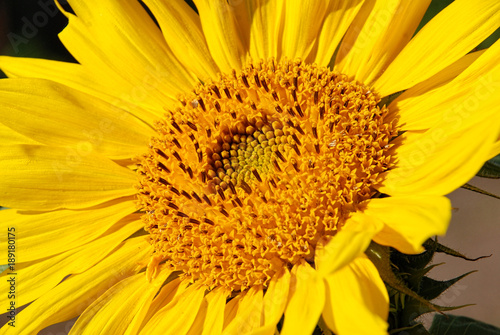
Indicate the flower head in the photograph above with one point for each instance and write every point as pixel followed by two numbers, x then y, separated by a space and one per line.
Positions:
pixel 232 167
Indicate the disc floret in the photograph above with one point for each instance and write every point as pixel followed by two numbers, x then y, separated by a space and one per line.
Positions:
pixel 256 167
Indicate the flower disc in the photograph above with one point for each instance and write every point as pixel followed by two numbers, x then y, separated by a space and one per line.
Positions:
pixel 257 167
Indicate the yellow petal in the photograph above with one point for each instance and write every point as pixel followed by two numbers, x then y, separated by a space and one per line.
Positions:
pixel 265 21
pixel 181 28
pixel 73 295
pixel 46 178
pixel 441 78
pixel 113 311
pixel 451 34
pixel 164 297
pixel 45 234
pixel 197 326
pixel 307 299
pixel 357 301
pixel 221 31
pixel 53 114
pixel 214 319
pixel 339 17
pixel 275 301
pixel 410 220
pixel 440 161
pixel 303 22
pixel 249 314
pixel 231 308
pixel 495 150
pixel 11 137
pixel 104 38
pixel 350 242
pixel 127 96
pixel 458 100
pixel 377 35
pixel 242 19
pixel 41 276
pixel 178 316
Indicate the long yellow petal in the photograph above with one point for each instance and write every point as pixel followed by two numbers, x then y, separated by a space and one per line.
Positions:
pixel 164 297
pixel 307 299
pixel 73 75
pixel 231 308
pixel 103 37
pixel 72 296
pixel 357 301
pixel 197 326
pixel 265 24
pixel 222 33
pixel 440 160
pixel 451 34
pixel 46 234
pixel 11 137
pixel 459 99
pixel 495 150
pixel 302 23
pixel 181 28
pixel 410 220
pixel 346 245
pixel 275 301
pixel 46 178
pixel 178 316
pixel 127 95
pixel 242 19
pixel 399 31
pixel 214 319
pixel 377 35
pixel 113 311
pixel 41 276
pixel 339 17
pixel 45 112
pixel 439 79
pixel 249 313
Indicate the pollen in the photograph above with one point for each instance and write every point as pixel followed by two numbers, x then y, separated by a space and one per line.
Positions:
pixel 251 170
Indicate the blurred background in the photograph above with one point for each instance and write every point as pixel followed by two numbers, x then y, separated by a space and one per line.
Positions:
pixel 29 28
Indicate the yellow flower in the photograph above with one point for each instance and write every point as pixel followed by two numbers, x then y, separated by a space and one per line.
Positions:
pixel 252 144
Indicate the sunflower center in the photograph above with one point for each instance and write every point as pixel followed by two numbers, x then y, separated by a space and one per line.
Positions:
pixel 253 169
pixel 247 154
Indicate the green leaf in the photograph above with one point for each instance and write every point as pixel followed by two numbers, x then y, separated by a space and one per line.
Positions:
pixel 431 288
pixel 415 308
pixel 417 329
pixel 490 169
pixel 415 277
pixel 460 325
pixel 3 268
pixel 454 253
pixel 380 257
pixel 478 190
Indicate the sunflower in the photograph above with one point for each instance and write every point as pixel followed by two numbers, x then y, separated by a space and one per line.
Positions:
pixel 223 170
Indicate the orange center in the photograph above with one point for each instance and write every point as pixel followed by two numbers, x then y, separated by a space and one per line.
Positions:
pixel 256 167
